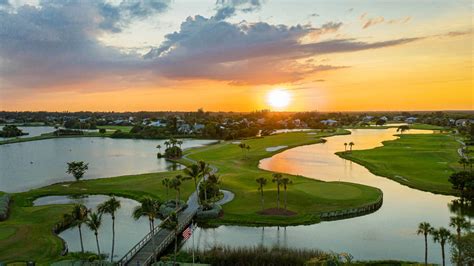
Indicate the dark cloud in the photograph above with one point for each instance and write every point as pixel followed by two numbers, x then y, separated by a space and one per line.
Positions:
pixel 249 53
pixel 55 43
pixel 228 8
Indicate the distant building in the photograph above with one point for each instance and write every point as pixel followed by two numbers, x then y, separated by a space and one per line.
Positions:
pixel 198 127
pixel 399 118
pixel 329 122
pixel 367 118
pixel 411 120
pixel 384 118
pixel 157 124
pixel 184 128
pixel 464 122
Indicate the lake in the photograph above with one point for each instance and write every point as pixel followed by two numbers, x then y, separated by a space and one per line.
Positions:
pixel 28 165
pixel 389 233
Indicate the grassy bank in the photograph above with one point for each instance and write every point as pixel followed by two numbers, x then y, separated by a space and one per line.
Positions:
pixel 307 197
pixel 412 126
pixel 422 161
pixel 52 136
pixel 27 234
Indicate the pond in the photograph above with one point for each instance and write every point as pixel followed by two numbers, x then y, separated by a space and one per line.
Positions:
pixel 32 131
pixel 128 231
pixel 389 233
pixel 38 163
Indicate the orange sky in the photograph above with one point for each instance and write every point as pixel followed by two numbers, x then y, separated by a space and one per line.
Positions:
pixel 434 72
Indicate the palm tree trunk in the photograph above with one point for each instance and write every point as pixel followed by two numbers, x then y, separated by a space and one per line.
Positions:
pixel 80 237
pixel 426 249
pixel 205 193
pixel 113 239
pixel 285 198
pixel 197 192
pixel 278 196
pixel 442 253
pixel 177 199
pixel 153 237
pixel 262 199
pixel 97 241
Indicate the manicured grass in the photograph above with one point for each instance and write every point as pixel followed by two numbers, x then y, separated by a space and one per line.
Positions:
pixel 52 136
pixel 422 161
pixel 412 126
pixel 307 197
pixel 125 129
pixel 33 238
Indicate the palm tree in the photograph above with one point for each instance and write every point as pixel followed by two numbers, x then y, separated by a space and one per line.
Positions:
pixel 166 183
pixel 351 144
pixel 464 162
pixel 93 222
pixel 110 207
pixel 424 229
pixel 242 146
pixel 176 185
pixel 285 182
pixel 158 147
pixel 150 208
pixel 179 142
pixel 459 223
pixel 194 172
pixel 167 144
pixel 262 181
pixel 247 147
pixel 345 146
pixel 79 216
pixel 277 179
pixel 441 235
pixel 171 223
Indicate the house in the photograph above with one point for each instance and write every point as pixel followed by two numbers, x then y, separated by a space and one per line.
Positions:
pixel 367 118
pixel 184 128
pixel 158 124
pixel 198 127
pixel 411 120
pixel 261 121
pixel 464 122
pixel 384 118
pixel 399 118
pixel 329 122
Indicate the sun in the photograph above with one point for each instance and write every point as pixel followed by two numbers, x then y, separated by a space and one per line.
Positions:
pixel 278 98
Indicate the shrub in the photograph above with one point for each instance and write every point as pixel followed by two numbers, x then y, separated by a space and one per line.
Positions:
pixel 4 206
pixel 212 213
pixel 170 206
pixel 102 131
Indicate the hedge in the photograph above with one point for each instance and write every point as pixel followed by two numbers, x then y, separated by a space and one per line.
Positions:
pixel 4 205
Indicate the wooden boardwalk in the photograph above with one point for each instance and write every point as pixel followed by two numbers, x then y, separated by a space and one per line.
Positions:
pixel 142 252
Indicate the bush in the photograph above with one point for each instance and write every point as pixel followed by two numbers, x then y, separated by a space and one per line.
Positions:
pixel 212 213
pixel 170 206
pixel 102 131
pixel 4 206
pixel 174 152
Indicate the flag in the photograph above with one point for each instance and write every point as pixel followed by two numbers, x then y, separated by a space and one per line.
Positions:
pixel 188 232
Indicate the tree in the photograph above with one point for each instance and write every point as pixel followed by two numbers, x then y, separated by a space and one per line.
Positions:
pixel 262 181
pixel 242 147
pixel 403 128
pixel 345 146
pixel 350 145
pixel 380 122
pixel 464 162
pixel 463 250
pixel 166 183
pixel 176 185
pixel 171 223
pixel 110 207
pixel 194 172
pixel 441 235
pixel 77 169
pixel 149 208
pixel 459 223
pixel 78 217
pixel 93 222
pixel 425 229
pixel 463 182
pixel 285 182
pixel 158 147
pixel 277 179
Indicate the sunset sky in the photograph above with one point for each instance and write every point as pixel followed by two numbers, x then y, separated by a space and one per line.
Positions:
pixel 98 55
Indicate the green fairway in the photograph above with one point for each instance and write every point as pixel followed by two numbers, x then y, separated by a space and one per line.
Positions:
pixel 27 233
pixel 125 129
pixel 306 197
pixel 412 126
pixel 422 161
pixel 238 170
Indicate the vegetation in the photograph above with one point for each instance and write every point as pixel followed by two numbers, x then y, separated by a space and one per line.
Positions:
pixel 77 218
pixel 422 161
pixel 441 235
pixel 425 229
pixel 4 206
pixel 307 197
pixel 171 223
pixel 77 169
pixel 11 131
pixel 149 208
pixel 94 222
pixel 110 207
pixel 262 181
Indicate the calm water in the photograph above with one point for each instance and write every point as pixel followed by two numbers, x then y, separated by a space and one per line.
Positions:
pixel 388 233
pixel 33 131
pixel 38 163
pixel 127 231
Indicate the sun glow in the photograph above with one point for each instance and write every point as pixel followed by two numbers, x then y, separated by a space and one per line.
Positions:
pixel 278 98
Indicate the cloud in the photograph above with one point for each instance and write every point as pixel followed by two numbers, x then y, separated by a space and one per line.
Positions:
pixel 57 42
pixel 369 22
pixel 249 53
pixel 228 8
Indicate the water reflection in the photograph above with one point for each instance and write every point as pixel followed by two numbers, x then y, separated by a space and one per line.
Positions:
pixel 389 233
pixel 128 231
pixel 34 164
